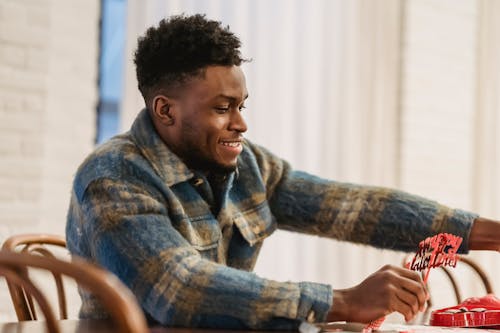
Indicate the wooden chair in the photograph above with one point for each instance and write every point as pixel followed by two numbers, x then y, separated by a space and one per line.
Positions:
pixel 45 245
pixel 114 295
pixel 476 268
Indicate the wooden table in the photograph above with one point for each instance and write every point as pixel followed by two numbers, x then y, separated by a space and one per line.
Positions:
pixel 105 326
pixel 67 326
pixel 96 326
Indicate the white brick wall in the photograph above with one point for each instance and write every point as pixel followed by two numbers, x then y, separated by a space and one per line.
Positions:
pixel 48 97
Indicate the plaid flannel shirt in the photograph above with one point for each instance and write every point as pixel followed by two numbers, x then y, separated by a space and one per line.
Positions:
pixel 139 211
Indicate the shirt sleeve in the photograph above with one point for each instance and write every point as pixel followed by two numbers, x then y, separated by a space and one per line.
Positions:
pixel 376 216
pixel 129 233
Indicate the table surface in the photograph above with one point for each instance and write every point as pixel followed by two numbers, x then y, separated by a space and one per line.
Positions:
pixel 104 326
pixel 95 326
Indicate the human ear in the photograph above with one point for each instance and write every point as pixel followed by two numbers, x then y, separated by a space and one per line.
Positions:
pixel 162 110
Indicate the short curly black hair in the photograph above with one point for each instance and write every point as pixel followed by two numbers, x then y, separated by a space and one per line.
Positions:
pixel 180 48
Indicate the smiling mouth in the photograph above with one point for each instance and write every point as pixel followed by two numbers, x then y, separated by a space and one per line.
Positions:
pixel 233 143
pixel 230 143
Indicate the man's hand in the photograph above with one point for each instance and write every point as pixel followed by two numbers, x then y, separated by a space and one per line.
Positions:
pixel 390 289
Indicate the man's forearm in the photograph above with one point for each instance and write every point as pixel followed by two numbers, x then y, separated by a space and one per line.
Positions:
pixel 485 235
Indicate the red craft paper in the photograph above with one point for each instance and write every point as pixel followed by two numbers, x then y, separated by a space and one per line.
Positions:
pixel 436 251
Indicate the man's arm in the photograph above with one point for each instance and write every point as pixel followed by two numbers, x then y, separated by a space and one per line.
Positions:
pixel 377 216
pixel 129 233
pixel 394 289
pixel 485 235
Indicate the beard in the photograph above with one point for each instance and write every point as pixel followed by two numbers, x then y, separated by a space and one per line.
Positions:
pixel 197 155
pixel 201 163
pixel 198 158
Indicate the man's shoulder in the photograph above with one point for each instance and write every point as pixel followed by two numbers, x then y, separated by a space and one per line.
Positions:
pixel 256 159
pixel 112 159
pixel 111 153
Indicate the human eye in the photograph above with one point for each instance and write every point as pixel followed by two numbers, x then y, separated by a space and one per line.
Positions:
pixel 242 107
pixel 222 109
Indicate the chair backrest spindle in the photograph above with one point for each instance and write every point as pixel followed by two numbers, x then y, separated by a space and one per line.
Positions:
pixel 35 244
pixel 116 298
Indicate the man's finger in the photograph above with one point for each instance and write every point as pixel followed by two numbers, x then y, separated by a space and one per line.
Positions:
pixel 399 305
pixel 417 289
pixel 409 274
pixel 410 299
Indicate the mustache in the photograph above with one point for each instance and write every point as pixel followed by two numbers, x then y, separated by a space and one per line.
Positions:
pixel 236 138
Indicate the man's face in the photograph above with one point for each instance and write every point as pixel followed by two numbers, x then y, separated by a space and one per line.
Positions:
pixel 207 132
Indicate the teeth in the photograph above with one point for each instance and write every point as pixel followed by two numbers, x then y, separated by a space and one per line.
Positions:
pixel 230 144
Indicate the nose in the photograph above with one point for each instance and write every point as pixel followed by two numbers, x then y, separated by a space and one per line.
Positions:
pixel 237 123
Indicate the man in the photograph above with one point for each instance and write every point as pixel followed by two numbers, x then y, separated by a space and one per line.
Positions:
pixel 178 207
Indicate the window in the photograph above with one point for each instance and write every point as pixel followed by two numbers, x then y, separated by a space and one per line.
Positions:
pixel 111 68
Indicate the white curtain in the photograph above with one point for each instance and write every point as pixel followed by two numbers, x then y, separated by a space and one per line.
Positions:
pixel 486 160
pixel 487 193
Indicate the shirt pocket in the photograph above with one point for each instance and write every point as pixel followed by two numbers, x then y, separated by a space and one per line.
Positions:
pixel 256 223
pixel 202 232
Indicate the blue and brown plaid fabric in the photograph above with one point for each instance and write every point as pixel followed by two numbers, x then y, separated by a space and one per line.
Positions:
pixel 138 211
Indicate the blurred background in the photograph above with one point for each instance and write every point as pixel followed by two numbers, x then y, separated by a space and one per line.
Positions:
pixel 396 93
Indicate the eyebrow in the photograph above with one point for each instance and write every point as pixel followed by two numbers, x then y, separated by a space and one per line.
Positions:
pixel 231 98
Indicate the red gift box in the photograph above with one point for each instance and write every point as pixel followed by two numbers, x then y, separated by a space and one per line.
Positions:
pixel 473 312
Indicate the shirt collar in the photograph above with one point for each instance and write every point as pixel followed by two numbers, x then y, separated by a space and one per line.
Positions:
pixel 166 164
